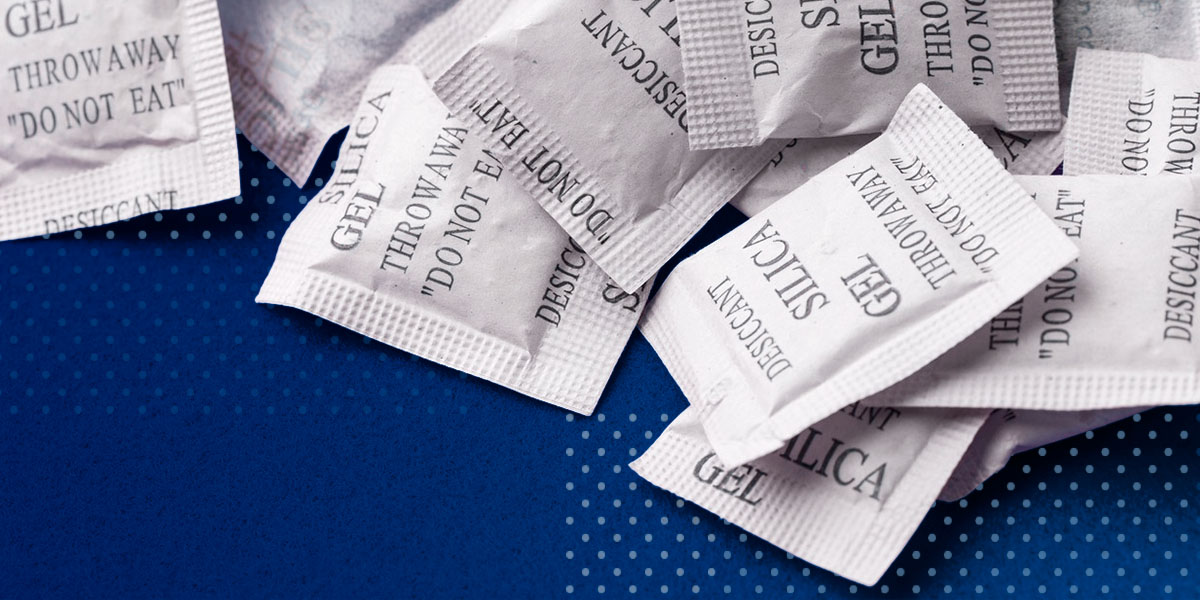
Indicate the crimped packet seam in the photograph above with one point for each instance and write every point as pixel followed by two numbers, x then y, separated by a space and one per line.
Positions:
pixel 860 549
pixel 640 247
pixel 1104 83
pixel 716 65
pixel 1028 64
pixel 1045 389
pixel 213 103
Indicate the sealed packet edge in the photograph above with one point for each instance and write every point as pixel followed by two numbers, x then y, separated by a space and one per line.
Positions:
pixel 1028 64
pixel 561 370
pixel 1105 82
pixel 1033 250
pixel 202 170
pixel 721 111
pixel 632 255
pixel 808 532
pixel 214 101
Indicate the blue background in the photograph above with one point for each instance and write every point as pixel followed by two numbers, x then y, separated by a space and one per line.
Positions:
pixel 163 436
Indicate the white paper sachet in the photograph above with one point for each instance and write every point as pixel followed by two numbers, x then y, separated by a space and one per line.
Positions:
pixel 762 69
pixel 851 283
pixel 1008 432
pixel 1020 153
pixel 298 68
pixel 1164 28
pixel 1114 329
pixel 111 111
pixel 584 98
pixel 1133 114
pixel 845 494
pixel 424 241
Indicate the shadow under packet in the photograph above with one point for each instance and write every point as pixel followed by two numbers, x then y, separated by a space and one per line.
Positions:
pixel 759 69
pixel 112 111
pixel 1021 154
pixel 846 494
pixel 1113 329
pixel 1133 114
pixel 423 240
pixel 1010 432
pixel 585 100
pixel 851 283
pixel 298 69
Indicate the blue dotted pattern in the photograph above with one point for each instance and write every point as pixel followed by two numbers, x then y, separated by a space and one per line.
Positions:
pixel 163 436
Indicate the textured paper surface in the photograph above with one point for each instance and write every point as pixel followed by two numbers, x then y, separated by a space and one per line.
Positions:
pixel 1114 329
pixel 299 67
pixel 851 283
pixel 111 112
pixel 424 241
pixel 845 494
pixel 584 98
pixel 758 70
pixel 1134 114
pixel 1009 432
pixel 1165 28
pixel 1020 153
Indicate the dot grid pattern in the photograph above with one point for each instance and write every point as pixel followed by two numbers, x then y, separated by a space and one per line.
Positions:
pixel 163 436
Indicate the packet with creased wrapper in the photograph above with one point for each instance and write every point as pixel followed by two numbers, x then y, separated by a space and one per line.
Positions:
pixel 585 100
pixel 1114 329
pixel 1008 432
pixel 1133 114
pixel 1020 153
pixel 851 283
pixel 1164 28
pixel 111 111
pixel 423 240
pixel 845 494
pixel 298 68
pixel 760 69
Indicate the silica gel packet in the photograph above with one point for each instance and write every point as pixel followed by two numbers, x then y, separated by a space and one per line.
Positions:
pixel 298 68
pixel 423 240
pixel 1164 28
pixel 1020 153
pixel 585 100
pixel 851 283
pixel 818 68
pixel 845 494
pixel 1008 432
pixel 111 111
pixel 1113 329
pixel 1132 114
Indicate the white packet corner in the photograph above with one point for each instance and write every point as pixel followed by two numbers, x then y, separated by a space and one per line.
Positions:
pixel 845 494
pixel 1133 114
pixel 584 98
pixel 1164 28
pixel 298 68
pixel 759 70
pixel 1116 328
pixel 112 111
pixel 422 240
pixel 1009 432
pixel 1039 153
pixel 851 283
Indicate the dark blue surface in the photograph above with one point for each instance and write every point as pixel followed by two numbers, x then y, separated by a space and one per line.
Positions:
pixel 163 436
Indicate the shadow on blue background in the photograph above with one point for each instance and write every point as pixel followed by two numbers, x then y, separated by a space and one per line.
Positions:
pixel 163 436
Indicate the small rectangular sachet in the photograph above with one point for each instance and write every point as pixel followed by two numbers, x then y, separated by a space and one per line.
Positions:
pixel 759 69
pixel 851 283
pixel 585 100
pixel 423 240
pixel 112 110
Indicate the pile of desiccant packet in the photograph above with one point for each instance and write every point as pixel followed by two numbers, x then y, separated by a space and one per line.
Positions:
pixel 912 300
